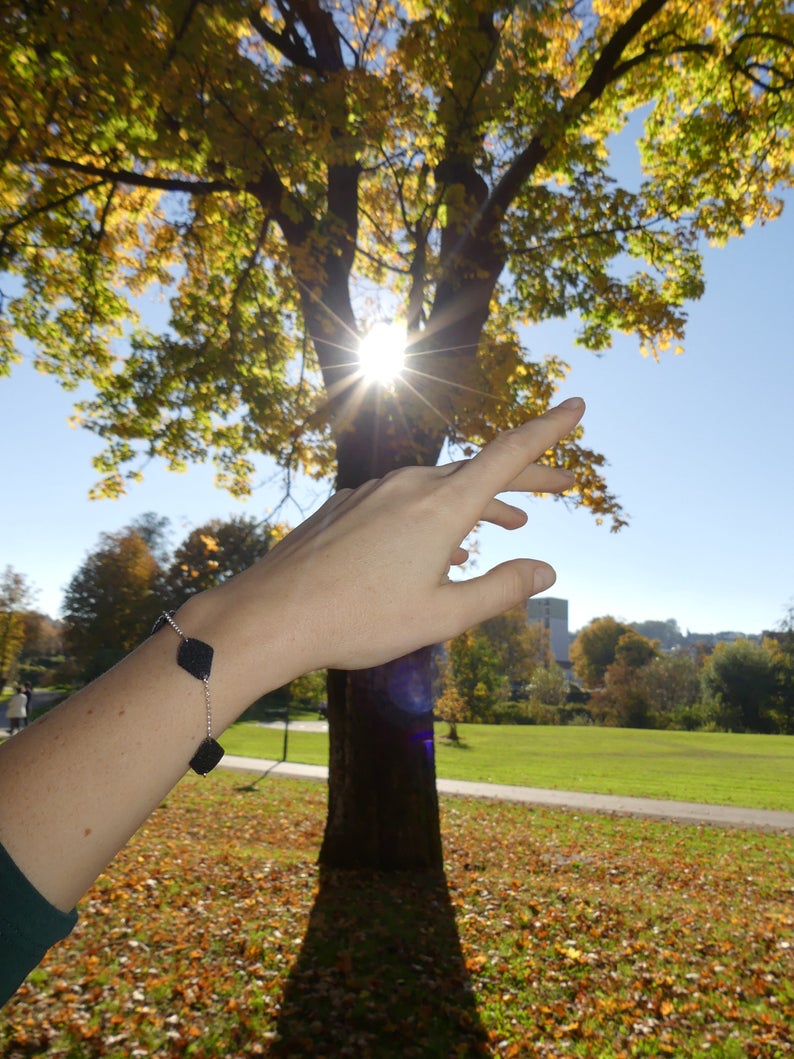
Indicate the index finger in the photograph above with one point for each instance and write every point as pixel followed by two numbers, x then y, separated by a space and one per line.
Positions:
pixel 496 466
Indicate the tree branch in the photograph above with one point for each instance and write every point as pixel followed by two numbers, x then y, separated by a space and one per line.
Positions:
pixel 141 180
pixel 479 241
pixel 62 200
pixel 96 238
pixel 247 271
pixel 290 45
pixel 605 70
pixel 324 34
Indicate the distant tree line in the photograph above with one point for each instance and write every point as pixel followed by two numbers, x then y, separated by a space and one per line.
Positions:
pixel 671 637
pixel 739 685
pixel 503 671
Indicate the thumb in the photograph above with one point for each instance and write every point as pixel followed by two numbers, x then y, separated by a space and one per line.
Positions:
pixel 500 589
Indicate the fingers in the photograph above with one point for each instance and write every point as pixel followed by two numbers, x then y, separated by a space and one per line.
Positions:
pixel 506 459
pixel 498 513
pixel 537 478
pixel 504 587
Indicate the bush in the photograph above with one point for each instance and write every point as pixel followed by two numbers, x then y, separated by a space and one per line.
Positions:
pixel 549 686
pixel 740 680
pixel 672 686
pixel 692 718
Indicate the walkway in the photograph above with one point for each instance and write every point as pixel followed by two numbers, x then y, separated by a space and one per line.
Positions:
pixel 681 812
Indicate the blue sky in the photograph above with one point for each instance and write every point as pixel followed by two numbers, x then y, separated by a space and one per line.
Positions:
pixel 699 449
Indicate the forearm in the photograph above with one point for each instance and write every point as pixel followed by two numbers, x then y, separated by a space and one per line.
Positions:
pixel 77 784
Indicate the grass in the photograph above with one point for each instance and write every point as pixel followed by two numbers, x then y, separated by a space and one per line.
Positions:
pixel 254 740
pixel 752 771
pixel 554 935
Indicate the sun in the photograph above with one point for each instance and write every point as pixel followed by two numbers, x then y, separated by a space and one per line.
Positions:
pixel 381 353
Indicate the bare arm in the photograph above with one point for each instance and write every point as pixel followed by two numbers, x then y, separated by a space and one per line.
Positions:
pixel 362 581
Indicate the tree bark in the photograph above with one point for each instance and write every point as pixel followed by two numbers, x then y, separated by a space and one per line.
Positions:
pixel 383 805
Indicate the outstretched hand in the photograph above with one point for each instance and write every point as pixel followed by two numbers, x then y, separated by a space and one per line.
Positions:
pixel 365 579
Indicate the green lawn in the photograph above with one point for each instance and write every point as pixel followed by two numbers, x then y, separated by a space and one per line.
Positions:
pixel 753 771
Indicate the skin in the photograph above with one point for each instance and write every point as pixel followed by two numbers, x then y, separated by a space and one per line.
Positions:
pixel 362 581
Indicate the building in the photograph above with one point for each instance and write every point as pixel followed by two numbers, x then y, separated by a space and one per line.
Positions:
pixel 553 615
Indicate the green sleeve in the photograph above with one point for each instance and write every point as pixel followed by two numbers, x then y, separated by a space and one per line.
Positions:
pixel 29 925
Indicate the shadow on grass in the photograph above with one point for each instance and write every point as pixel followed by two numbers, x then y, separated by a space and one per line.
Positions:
pixel 454 744
pixel 380 973
pixel 252 786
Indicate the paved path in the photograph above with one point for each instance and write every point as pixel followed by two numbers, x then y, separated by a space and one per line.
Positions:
pixel 682 812
pixel 297 726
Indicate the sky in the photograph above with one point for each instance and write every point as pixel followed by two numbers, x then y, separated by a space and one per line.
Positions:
pixel 699 450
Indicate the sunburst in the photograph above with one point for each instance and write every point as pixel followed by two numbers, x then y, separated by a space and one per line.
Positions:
pixel 381 353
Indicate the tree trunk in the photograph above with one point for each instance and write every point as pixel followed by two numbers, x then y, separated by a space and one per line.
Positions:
pixel 383 806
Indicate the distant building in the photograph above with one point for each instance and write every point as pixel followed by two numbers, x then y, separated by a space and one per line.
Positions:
pixel 553 615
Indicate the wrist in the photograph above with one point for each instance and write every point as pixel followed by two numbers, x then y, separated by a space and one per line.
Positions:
pixel 255 649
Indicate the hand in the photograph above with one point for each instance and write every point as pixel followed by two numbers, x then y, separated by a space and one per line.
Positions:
pixel 365 579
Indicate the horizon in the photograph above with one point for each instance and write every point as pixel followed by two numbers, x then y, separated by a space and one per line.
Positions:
pixel 686 633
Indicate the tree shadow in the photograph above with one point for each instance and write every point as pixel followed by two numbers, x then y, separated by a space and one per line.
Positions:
pixel 380 973
pixel 454 744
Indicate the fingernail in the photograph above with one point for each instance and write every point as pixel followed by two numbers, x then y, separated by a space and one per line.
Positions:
pixel 543 578
pixel 572 402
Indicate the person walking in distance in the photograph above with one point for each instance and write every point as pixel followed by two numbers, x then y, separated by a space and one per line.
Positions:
pixel 17 710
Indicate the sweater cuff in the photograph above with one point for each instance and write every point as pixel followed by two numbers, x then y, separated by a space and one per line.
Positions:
pixel 29 925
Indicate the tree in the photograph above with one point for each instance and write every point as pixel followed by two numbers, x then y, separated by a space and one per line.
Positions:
pixel 741 679
pixel 15 597
pixel 780 644
pixel 450 705
pixel 41 660
pixel 491 662
pixel 285 170
pixel 635 651
pixel 112 601
pixel 308 690
pixel 624 700
pixel 672 685
pixel 115 596
pixel 521 647
pixel 549 686
pixel 593 650
pixel 214 552
pixel 476 673
pixel 154 530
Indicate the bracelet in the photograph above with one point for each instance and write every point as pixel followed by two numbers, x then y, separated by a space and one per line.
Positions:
pixel 195 657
